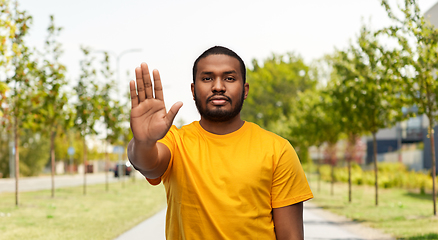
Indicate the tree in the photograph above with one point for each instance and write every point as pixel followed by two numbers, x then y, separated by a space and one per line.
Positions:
pixel 4 170
pixel 7 30
pixel 274 88
pixel 20 70
pixel 331 129
pixel 53 100
pixel 371 88
pixel 416 63
pixel 308 124
pixel 88 108
pixel 349 100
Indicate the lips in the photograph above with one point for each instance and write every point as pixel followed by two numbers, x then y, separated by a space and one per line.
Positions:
pixel 218 99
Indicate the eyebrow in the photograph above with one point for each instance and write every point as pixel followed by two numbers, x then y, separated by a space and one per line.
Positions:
pixel 230 72
pixel 227 72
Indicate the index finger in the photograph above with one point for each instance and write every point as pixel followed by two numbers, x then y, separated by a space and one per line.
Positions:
pixel 158 88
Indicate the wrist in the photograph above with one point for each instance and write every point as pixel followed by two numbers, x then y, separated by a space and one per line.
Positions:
pixel 145 143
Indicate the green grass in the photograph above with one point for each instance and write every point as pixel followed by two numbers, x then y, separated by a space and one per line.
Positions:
pixel 403 214
pixel 72 215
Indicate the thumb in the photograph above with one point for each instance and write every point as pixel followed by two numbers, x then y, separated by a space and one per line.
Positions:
pixel 173 111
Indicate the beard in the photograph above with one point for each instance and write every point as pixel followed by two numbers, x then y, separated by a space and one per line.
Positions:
pixel 219 114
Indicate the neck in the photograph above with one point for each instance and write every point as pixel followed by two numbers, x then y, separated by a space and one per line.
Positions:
pixel 222 128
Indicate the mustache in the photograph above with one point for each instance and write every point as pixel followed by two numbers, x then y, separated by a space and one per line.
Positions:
pixel 222 95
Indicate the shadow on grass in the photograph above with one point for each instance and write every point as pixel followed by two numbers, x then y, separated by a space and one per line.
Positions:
pixel 423 236
pixel 324 207
pixel 422 196
pixel 327 222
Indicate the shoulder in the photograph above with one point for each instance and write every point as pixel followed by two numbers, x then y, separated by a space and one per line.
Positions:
pixel 183 132
pixel 266 135
pixel 190 128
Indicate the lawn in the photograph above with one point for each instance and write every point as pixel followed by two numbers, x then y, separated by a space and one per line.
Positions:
pixel 72 215
pixel 401 213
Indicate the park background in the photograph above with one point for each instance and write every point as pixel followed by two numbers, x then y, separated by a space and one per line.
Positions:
pixel 328 76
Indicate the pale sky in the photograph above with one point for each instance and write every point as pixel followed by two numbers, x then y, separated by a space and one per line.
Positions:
pixel 172 34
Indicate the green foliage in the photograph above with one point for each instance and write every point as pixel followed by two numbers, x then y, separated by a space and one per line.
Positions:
pixel 364 88
pixel 8 27
pixel 88 108
pixel 314 121
pixel 51 111
pixel 114 112
pixel 274 87
pixel 3 89
pixel 390 175
pixel 4 152
pixel 34 153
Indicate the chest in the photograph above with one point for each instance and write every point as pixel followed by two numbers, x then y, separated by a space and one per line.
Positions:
pixel 218 170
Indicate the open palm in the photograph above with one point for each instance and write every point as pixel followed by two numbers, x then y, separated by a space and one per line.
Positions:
pixel 149 119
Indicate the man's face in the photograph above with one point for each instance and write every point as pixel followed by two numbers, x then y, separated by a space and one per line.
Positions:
pixel 219 91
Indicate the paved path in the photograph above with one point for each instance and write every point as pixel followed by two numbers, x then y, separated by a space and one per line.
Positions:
pixel 45 182
pixel 151 229
pixel 318 225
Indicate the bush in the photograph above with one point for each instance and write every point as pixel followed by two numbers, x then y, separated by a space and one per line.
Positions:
pixel 390 175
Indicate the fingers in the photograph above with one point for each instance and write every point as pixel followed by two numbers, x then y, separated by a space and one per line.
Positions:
pixel 158 88
pixel 134 97
pixel 147 80
pixel 173 111
pixel 144 84
pixel 140 85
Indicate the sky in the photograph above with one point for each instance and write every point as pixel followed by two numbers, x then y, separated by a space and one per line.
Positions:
pixel 172 34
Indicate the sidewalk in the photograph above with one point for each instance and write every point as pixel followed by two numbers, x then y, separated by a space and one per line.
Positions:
pixel 45 182
pixel 318 225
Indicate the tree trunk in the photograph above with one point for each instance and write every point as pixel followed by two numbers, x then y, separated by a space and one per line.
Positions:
pixel 52 159
pixel 350 153
pixel 106 166
pixel 333 180
pixel 17 160
pixel 85 166
pixel 332 162
pixel 375 167
pixel 319 165
pixel 432 148
pixel 349 180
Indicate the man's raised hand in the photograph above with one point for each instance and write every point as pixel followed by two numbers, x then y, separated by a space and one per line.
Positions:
pixel 149 119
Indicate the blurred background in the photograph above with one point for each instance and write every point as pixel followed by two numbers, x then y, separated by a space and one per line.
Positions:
pixel 170 35
pixel 351 84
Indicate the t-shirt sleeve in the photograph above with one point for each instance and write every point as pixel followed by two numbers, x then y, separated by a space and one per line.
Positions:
pixel 169 141
pixel 289 185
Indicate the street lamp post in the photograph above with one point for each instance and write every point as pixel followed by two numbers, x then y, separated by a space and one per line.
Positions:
pixel 118 57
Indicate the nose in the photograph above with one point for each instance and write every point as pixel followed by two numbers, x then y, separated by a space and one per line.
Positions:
pixel 218 85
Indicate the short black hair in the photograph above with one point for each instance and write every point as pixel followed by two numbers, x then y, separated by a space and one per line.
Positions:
pixel 218 50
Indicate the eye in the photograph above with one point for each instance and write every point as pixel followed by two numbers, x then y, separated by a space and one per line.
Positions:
pixel 230 79
pixel 206 79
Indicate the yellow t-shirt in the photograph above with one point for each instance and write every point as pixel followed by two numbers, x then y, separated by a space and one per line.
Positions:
pixel 225 186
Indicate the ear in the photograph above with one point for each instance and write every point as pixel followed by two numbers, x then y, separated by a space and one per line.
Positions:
pixel 246 89
pixel 193 90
